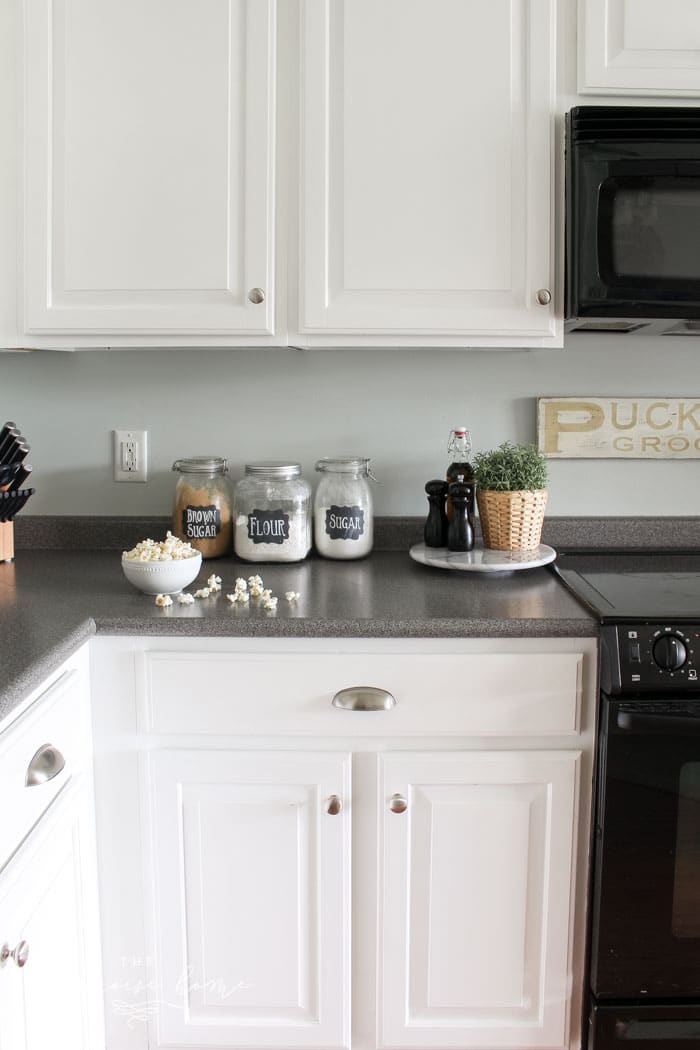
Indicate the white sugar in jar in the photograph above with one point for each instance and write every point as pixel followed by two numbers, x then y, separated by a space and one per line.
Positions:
pixel 343 525
pixel 272 513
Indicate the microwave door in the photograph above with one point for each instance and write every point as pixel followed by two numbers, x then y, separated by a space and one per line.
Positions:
pixel 647 234
pixel 633 224
pixel 640 256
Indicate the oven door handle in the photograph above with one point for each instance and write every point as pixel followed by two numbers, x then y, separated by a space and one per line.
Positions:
pixel 671 1031
pixel 637 722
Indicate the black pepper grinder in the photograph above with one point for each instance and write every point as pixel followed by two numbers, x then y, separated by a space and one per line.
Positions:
pixel 435 531
pixel 460 534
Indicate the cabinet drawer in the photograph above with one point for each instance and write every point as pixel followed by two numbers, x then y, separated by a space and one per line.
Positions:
pixel 47 745
pixel 475 694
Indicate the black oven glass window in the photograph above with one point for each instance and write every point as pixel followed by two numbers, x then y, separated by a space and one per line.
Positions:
pixel 649 228
pixel 685 914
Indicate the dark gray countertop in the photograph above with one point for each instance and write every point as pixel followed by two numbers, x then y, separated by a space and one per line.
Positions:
pixel 52 601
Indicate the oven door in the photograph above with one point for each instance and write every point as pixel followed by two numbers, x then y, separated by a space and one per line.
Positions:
pixel 644 1028
pixel 646 884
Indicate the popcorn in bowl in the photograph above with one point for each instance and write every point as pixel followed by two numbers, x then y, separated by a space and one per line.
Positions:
pixel 169 549
pixel 161 567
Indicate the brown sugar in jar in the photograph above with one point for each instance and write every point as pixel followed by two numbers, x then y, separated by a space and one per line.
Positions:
pixel 202 506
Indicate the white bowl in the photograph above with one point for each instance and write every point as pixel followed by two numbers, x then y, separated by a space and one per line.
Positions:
pixel 162 577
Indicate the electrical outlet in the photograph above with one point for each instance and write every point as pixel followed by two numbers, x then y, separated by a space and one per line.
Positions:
pixel 130 455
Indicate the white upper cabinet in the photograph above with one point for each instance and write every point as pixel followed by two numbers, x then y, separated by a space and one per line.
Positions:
pixel 148 170
pixel 177 173
pixel 639 47
pixel 427 181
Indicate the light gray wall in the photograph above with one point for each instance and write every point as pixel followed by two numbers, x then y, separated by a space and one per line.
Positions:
pixel 395 406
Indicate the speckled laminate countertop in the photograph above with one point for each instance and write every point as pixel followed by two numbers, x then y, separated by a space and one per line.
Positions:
pixel 53 601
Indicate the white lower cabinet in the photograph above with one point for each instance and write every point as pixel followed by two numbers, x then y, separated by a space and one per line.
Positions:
pixel 51 991
pixel 251 906
pixel 363 888
pixel 475 898
pixel 50 988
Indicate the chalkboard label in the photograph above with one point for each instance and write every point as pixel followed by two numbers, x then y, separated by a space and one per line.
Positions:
pixel 201 523
pixel 345 523
pixel 268 526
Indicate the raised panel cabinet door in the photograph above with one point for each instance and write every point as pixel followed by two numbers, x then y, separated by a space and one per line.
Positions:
pixel 49 920
pixel 475 899
pixel 427 191
pixel 250 876
pixel 639 47
pixel 149 150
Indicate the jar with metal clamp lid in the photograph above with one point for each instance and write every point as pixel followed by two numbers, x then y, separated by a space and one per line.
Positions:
pixel 272 507
pixel 202 506
pixel 343 522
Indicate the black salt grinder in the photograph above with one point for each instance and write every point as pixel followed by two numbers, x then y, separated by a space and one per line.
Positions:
pixel 435 531
pixel 460 534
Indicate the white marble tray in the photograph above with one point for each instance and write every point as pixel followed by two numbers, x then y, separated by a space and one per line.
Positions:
pixel 482 560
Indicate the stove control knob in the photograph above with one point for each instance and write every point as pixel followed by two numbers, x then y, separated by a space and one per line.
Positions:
pixel 669 652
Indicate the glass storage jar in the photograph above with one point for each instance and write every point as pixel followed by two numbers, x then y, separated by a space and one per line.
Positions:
pixel 343 525
pixel 272 508
pixel 202 506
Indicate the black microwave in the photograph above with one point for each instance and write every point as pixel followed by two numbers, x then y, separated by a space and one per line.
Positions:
pixel 633 219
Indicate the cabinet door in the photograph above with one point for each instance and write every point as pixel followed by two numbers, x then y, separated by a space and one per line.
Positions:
pixel 149 168
pixel 250 871
pixel 427 196
pixel 640 48
pixel 48 902
pixel 475 912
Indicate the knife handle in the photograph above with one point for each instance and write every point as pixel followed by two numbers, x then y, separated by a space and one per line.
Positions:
pixel 7 442
pixel 22 475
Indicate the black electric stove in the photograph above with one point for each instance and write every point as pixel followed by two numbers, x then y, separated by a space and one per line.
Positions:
pixel 635 586
pixel 649 605
pixel 644 916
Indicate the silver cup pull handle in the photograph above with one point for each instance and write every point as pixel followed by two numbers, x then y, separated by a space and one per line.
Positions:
pixel 364 698
pixel 46 764
pixel 398 804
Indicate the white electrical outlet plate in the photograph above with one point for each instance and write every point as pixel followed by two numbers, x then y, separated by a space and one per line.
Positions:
pixel 130 455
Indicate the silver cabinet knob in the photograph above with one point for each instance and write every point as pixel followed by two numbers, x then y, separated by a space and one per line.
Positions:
pixel 544 297
pixel 363 698
pixel 398 804
pixel 256 296
pixel 333 805
pixel 20 954
pixel 46 764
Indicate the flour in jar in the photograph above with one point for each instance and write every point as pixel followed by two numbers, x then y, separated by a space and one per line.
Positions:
pixel 272 519
pixel 272 536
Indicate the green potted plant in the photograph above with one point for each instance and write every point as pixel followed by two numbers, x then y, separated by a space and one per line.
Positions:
pixel 511 495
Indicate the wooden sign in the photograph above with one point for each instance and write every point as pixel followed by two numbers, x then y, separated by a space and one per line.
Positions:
pixel 619 427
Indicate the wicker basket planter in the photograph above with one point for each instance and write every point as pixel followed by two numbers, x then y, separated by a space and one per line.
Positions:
pixel 511 521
